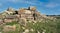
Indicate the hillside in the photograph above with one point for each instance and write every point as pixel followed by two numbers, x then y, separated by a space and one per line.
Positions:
pixel 27 21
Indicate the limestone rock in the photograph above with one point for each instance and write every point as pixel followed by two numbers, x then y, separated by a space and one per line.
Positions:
pixel 23 21
pixel 24 15
pixel 1 21
pixel 8 28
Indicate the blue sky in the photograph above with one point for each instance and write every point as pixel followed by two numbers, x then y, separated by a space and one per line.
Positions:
pixel 49 7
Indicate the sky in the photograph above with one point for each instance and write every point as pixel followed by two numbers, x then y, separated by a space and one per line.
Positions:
pixel 48 7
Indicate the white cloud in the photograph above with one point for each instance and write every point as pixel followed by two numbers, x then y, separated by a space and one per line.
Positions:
pixel 29 2
pixel 21 1
pixel 32 2
pixel 52 5
pixel 14 1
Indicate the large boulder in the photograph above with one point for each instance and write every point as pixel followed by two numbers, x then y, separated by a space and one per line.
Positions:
pixel 1 21
pixel 8 28
pixel 23 21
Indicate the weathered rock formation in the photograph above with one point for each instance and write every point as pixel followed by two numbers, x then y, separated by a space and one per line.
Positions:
pixel 21 15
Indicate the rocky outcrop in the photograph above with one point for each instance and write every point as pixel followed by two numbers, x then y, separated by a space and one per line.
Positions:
pixel 23 14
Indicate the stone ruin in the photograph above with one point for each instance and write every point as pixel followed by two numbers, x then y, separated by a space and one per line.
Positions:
pixel 30 14
pixel 22 17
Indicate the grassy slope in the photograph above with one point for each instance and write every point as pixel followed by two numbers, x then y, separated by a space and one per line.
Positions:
pixel 48 26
